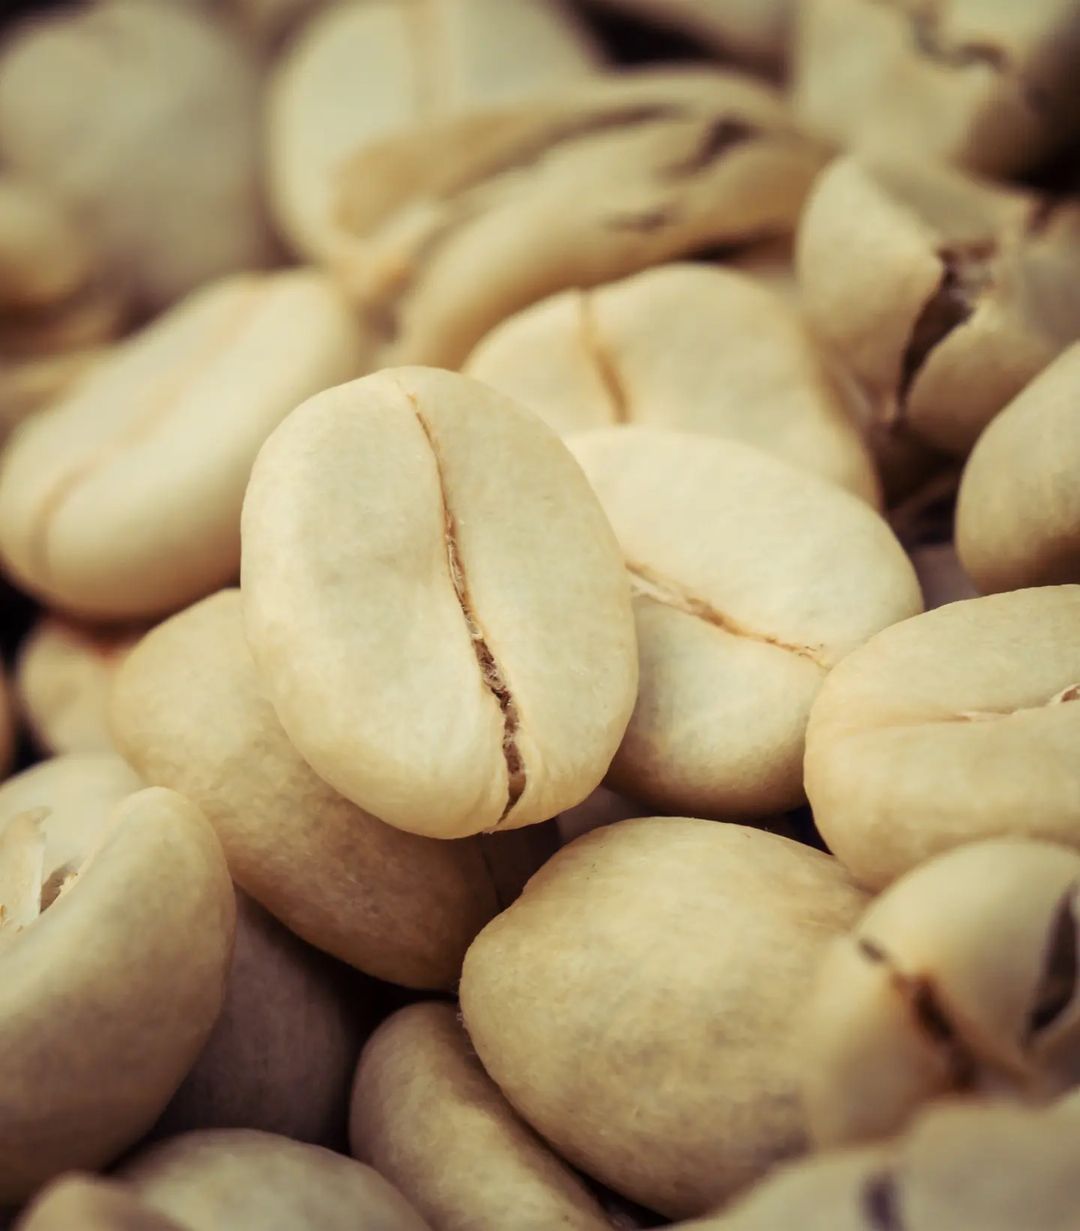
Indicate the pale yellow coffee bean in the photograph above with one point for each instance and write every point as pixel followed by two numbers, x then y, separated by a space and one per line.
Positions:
pixel 76 795
pixel 44 258
pixel 428 580
pixel 111 987
pixel 943 294
pixel 142 118
pixel 251 1181
pixel 478 218
pixel 957 725
pixel 694 348
pixel 751 581
pixel 362 71
pixel 941 575
pixel 123 500
pixel 1018 512
pixel 90 1203
pixel 835 1190
pixel 989 87
pixel 664 955
pixel 754 30
pixel 282 1052
pixel 961 976
pixel 188 709
pixel 30 384
pixel 968 1164
pixel 63 676
pixel 426 1115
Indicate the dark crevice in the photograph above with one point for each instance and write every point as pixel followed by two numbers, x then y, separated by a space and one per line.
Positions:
pixel 491 672
pixel 723 134
pixel 931 1017
pixel 643 223
pixel 1058 981
pixel 966 273
pixel 881 1202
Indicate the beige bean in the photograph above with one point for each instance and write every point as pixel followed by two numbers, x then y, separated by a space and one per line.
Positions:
pixel 957 725
pixel 1018 512
pixel 952 296
pixel 477 218
pixel 961 976
pixel 426 1115
pixel 689 347
pixel 110 988
pixel 983 86
pixel 123 501
pixel 282 1051
pixel 751 581
pixel 30 384
pixel 63 676
pixel 251 1181
pixel 142 118
pixel 994 1167
pixel 396 530
pixel 360 72
pixel 640 1003
pixel 90 1204
pixel 189 711
pixel 44 258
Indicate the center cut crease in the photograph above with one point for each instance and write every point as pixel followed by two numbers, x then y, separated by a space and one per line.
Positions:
pixel 491 672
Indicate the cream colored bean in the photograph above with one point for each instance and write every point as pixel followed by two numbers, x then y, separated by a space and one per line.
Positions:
pixel 360 72
pixel 112 982
pixel 689 347
pixel 123 500
pixel 751 581
pixel 477 218
pixel 984 86
pixel 250 1181
pixel 951 294
pixel 91 1204
pixel 1018 513
pixel 63 677
pixel 640 1003
pixel 189 711
pixel 956 725
pixel 423 492
pixel 426 1115
pixel 283 1049
pixel 142 118
pixel 961 976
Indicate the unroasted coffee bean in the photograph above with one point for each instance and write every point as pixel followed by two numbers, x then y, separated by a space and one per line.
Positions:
pixel 943 294
pixel 1018 512
pixel 513 676
pixel 142 118
pixel 63 677
pixel 113 974
pixel 956 725
pixel 427 1116
pixel 960 977
pixel 284 1046
pixel 688 347
pixel 123 500
pixel 251 1181
pixel 363 71
pixel 189 711
pixel 751 581
pixel 990 87
pixel 91 1204
pixel 477 218
pixel 667 955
